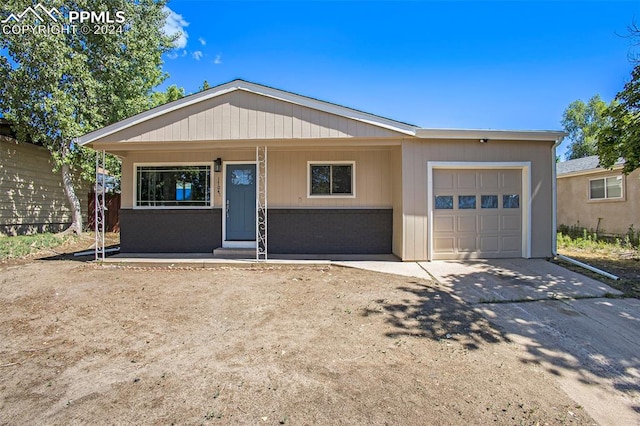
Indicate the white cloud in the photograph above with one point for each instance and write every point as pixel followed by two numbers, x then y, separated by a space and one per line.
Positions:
pixel 197 55
pixel 202 41
pixel 218 59
pixel 175 24
pixel 172 55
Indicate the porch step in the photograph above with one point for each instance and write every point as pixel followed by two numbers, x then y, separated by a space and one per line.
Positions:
pixel 234 253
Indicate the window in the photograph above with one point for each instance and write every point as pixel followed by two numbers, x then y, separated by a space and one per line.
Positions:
pixel 444 202
pixel 511 201
pixel 331 179
pixel 466 202
pixel 489 201
pixel 173 186
pixel 605 188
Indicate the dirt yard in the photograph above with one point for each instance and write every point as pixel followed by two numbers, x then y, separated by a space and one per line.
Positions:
pixel 81 343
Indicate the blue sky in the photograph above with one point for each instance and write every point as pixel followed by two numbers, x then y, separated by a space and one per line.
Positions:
pixel 478 64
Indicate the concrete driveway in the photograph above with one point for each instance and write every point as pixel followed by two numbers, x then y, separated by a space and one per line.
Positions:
pixel 562 322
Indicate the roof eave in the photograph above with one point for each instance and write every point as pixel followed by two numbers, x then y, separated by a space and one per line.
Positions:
pixel 615 168
pixel 528 135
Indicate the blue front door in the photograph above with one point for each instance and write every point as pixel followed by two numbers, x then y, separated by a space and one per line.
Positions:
pixel 241 202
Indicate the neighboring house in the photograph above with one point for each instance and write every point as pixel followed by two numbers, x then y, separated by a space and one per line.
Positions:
pixel 32 198
pixel 598 199
pixel 338 180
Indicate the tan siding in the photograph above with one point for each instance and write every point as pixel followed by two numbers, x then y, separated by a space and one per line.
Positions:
pixel 288 179
pixel 416 154
pixel 574 207
pixel 31 194
pixel 287 174
pixel 246 116
pixel 396 170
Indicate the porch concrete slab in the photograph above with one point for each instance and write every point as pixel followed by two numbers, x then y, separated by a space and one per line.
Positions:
pixel 386 263
pixel 591 346
pixel 193 260
pixel 500 280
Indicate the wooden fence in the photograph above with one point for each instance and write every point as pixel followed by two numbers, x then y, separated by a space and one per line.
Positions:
pixel 112 213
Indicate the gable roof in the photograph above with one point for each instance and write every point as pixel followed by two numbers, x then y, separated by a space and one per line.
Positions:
pixel 581 165
pixel 241 85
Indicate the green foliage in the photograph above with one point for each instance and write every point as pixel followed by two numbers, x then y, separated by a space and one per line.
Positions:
pixel 622 138
pixel 55 87
pixel 173 93
pixel 578 237
pixel 205 85
pixel 583 122
pixel 23 245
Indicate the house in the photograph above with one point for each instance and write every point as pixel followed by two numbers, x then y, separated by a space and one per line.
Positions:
pixel 32 196
pixel 239 163
pixel 595 198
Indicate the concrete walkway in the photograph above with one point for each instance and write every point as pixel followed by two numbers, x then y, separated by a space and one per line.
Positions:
pixel 590 343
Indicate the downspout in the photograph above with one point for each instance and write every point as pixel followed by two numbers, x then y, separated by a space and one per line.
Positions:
pixel 554 221
pixel 554 198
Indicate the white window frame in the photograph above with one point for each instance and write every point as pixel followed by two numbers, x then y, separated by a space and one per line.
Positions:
pixel 172 164
pixel 332 163
pixel 606 195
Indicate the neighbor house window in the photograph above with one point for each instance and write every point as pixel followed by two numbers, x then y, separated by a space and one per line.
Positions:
pixel 333 179
pixel 173 186
pixel 605 188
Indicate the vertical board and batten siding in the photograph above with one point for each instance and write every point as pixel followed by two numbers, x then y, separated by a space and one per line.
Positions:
pixel 287 175
pixel 288 180
pixel 416 154
pixel 242 115
pixel 32 197
pixel 398 223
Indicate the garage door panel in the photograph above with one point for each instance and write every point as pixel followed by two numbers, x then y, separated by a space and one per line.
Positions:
pixel 511 223
pixel 467 224
pixel 486 229
pixel 467 179
pixel 511 244
pixel 444 223
pixel 444 245
pixel 443 180
pixel 489 223
pixel 489 180
pixel 467 243
pixel 490 244
pixel 511 180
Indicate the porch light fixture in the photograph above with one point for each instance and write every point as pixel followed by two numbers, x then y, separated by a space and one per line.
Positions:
pixel 484 140
pixel 217 165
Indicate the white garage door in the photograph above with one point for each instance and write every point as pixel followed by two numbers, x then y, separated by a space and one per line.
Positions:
pixel 477 213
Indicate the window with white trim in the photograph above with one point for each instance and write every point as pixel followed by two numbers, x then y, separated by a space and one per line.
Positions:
pixel 331 179
pixel 605 188
pixel 173 186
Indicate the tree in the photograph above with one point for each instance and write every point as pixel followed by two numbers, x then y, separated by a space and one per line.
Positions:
pixel 205 85
pixel 87 157
pixel 622 138
pixel 173 93
pixel 58 85
pixel 583 123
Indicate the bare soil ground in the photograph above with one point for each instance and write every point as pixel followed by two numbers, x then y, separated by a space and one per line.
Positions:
pixel 82 343
pixel 623 263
